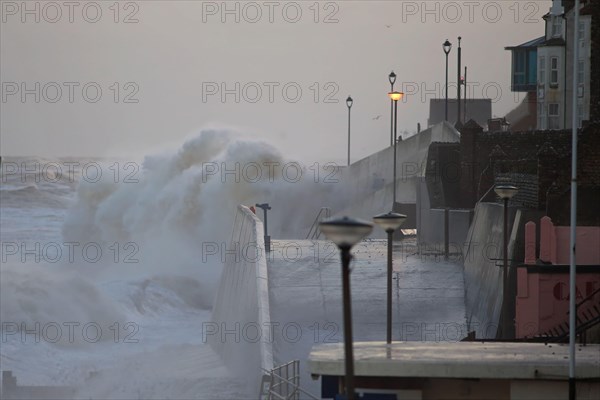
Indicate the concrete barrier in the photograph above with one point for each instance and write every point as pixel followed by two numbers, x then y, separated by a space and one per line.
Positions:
pixel 483 267
pixel 367 185
pixel 240 331
pixel 430 225
pixel 483 260
pixel 483 254
pixel 10 390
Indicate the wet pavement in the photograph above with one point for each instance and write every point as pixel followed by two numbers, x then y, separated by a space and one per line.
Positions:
pixel 305 288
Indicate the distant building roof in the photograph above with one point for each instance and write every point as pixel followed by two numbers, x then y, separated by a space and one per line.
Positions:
pixel 478 109
pixel 529 44
pixel 586 10
pixel 570 4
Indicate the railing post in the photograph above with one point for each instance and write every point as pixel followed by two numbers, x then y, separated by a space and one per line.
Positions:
pixel 446 233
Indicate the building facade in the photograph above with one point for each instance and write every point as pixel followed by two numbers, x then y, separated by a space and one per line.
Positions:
pixel 544 67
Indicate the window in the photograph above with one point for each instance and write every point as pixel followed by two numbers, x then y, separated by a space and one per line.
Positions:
pixel 556 26
pixel 553 116
pixel 581 31
pixel 579 114
pixel 580 78
pixel 542 71
pixel 524 70
pixel 519 68
pixel 532 68
pixel 554 71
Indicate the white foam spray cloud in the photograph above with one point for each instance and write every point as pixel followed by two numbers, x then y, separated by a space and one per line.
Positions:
pixel 178 202
pixel 188 198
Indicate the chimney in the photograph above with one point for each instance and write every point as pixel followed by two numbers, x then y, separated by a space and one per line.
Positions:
pixel 557 7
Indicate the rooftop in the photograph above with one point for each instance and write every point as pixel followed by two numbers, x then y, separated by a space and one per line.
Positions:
pixel 529 44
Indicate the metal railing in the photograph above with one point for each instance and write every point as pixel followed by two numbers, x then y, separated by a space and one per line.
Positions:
pixel 283 383
pixel 585 317
pixel 315 232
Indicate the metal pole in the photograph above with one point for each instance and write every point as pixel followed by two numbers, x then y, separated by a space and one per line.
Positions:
pixel 390 233
pixel 392 119
pixel 265 214
pixel 265 207
pixel 465 97
pixel 349 135
pixel 458 89
pixel 446 87
pixel 505 274
pixel 349 357
pixel 267 237
pixel 395 145
pixel 446 233
pixel 572 261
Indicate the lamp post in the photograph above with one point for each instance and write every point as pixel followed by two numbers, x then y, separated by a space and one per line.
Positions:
pixel 447 46
pixel 505 192
pixel 395 96
pixel 345 232
pixel 349 102
pixel 389 222
pixel 392 79
pixel 265 207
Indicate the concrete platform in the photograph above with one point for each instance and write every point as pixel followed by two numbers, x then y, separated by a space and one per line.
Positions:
pixel 461 371
pixel 464 360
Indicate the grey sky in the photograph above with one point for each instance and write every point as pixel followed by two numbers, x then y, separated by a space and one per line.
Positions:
pixel 179 51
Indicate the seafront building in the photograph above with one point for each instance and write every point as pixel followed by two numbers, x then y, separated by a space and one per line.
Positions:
pixel 543 69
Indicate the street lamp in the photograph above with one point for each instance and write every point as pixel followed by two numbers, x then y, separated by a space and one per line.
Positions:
pixel 505 192
pixel 349 102
pixel 389 222
pixel 345 232
pixel 395 96
pixel 447 46
pixel 392 79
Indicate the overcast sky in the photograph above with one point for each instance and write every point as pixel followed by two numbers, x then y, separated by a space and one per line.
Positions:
pixel 162 66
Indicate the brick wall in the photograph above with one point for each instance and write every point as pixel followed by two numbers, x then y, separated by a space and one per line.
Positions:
pixel 537 161
pixel 528 185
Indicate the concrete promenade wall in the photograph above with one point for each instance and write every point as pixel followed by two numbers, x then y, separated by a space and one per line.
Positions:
pixel 430 225
pixel 239 331
pixel 368 183
pixel 10 390
pixel 482 266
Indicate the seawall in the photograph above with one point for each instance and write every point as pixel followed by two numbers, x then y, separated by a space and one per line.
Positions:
pixel 239 331
pixel 368 184
pixel 483 261
pixel 431 223
pixel 483 267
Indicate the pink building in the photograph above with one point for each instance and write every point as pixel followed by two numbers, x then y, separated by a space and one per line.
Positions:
pixel 542 302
